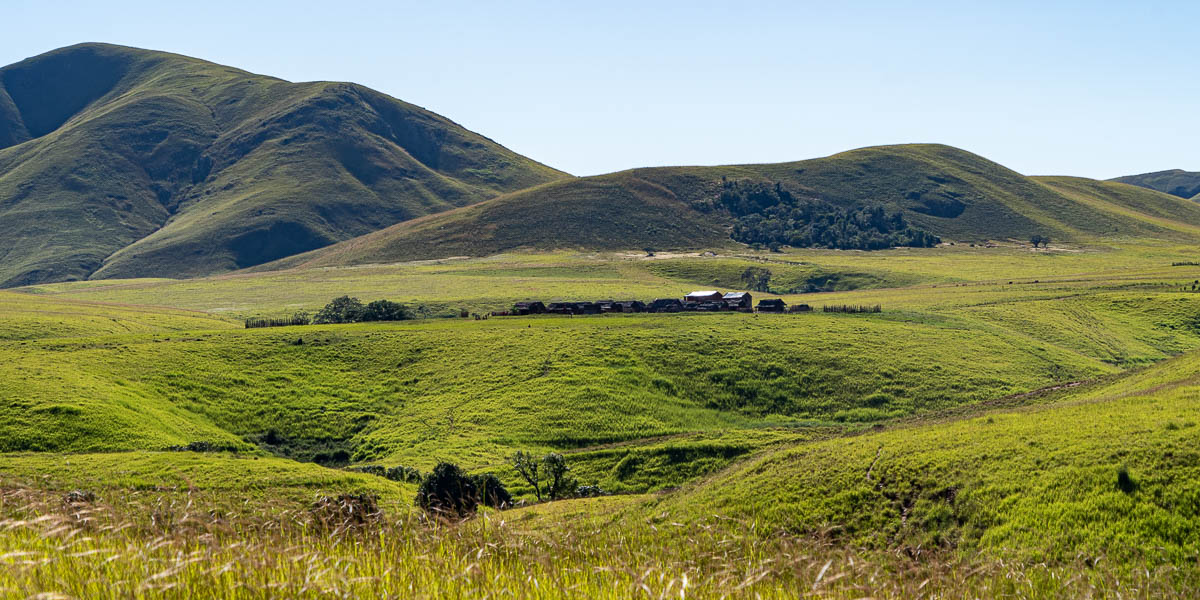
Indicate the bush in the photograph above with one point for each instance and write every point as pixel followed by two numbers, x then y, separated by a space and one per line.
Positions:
pixel 448 492
pixel 491 491
pixel 384 310
pixel 340 310
pixel 404 474
pixel 590 491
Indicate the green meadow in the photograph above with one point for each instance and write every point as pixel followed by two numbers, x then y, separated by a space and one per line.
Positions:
pixel 1014 423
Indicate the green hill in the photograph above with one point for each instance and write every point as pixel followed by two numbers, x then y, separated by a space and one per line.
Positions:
pixel 1102 470
pixel 950 192
pixel 1176 182
pixel 120 162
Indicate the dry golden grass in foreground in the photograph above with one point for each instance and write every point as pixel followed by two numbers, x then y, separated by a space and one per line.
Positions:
pixel 147 545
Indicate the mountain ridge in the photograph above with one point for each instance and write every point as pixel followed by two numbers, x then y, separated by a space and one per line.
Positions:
pixel 1177 182
pixel 150 163
pixel 950 192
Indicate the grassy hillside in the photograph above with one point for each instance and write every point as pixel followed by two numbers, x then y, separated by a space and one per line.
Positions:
pixel 119 162
pixel 477 390
pixel 952 193
pixel 1176 182
pixel 972 437
pixel 25 317
pixel 1100 470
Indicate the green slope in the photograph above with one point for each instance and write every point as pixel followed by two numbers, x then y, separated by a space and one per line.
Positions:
pixel 953 193
pixel 1176 182
pixel 119 162
pixel 1043 482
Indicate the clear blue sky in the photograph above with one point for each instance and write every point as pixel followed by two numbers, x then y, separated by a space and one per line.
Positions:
pixel 1095 89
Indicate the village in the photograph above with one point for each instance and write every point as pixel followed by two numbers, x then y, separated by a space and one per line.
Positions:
pixel 699 301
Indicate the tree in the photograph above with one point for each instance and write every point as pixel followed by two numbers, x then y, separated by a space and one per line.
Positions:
pixel 559 481
pixel 1036 239
pixel 757 279
pixel 340 310
pixel 448 492
pixel 527 467
pixel 384 310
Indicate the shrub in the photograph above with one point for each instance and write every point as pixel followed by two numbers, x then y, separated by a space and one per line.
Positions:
pixel 340 310
pixel 590 491
pixel 384 310
pixel 492 491
pixel 404 474
pixel 448 492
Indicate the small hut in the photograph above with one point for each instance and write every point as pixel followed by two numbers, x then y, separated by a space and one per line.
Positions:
pixel 665 305
pixel 632 306
pixel 738 301
pixel 704 296
pixel 529 308
pixel 771 305
pixel 799 308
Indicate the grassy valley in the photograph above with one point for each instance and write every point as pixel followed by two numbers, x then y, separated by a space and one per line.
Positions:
pixel 1012 414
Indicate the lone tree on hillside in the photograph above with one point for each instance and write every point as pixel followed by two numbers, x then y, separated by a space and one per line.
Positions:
pixel 550 475
pixel 559 480
pixel 528 468
pixel 1039 239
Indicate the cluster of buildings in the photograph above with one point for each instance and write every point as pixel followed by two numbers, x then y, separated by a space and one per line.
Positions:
pixel 701 301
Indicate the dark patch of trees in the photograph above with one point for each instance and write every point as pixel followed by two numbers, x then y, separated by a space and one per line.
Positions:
pixel 771 215
pixel 351 310
pixel 1039 239
pixel 449 492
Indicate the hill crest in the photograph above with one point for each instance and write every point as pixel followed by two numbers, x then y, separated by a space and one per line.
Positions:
pixel 118 162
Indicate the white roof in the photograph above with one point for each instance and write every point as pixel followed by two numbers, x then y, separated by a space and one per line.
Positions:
pixel 704 293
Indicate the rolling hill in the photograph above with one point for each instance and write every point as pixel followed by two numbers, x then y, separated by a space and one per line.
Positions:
pixel 950 192
pixel 1176 182
pixel 121 162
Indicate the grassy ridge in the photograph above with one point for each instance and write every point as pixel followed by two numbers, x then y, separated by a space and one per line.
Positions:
pixel 1043 483
pixel 955 194
pixel 1176 182
pixel 120 162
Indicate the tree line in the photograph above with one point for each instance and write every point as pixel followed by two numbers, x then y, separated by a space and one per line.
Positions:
pixel 771 215
pixel 340 310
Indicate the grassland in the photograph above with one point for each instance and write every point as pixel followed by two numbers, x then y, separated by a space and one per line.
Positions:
pixel 969 438
pixel 121 162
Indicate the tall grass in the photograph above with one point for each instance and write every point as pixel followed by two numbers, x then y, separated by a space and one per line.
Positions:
pixel 192 547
